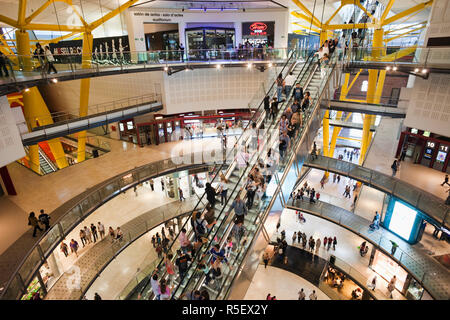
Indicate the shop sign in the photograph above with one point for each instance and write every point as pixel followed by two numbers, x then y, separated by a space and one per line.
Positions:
pixel 159 17
pixel 258 28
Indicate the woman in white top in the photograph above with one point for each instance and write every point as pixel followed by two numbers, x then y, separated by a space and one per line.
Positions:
pixel 50 60
pixel 223 185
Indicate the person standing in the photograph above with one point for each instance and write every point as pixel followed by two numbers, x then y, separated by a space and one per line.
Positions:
pixel 97 296
pixel 94 232
pixel 373 284
pixel 181 195
pixel 182 263
pixel 112 234
pixel 50 60
pixel 266 107
pixel 170 267
pixel 334 243
pixel 34 223
pixel 284 144
pixel 318 243
pixel 154 241
pixel 162 184
pixel 338 178
pixel 280 85
pixel 273 109
pixel 394 167
pixel 224 185
pixel 391 286
pixel 101 229
pixel 74 246
pixel 313 295
pixel 44 219
pixel 394 247
pixel 301 294
pixel 154 284
pixel 3 60
pixel 88 234
pixel 210 194
pixel 152 184
pixel 298 92
pixel 240 210
pixel 64 248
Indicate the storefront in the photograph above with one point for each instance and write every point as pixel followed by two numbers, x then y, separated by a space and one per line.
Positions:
pixel 211 38
pixel 425 148
pixel 258 33
pixel 187 126
pixel 388 268
pixel 127 131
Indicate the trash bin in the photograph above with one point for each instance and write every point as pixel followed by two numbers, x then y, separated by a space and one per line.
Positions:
pixel 332 259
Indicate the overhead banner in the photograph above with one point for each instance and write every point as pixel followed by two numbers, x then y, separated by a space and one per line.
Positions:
pixel 11 148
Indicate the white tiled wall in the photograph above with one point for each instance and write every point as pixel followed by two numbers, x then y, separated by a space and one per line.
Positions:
pixel 429 107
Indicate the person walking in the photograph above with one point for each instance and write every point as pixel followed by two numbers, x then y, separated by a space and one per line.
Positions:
pixel 34 223
pixel 74 246
pixel 97 296
pixel 50 60
pixel 325 240
pixel 394 247
pixel 301 294
pixel 294 237
pixel 88 234
pixel 94 232
pixel 181 195
pixel 83 238
pixel 338 178
pixel 394 167
pixel 154 241
pixel 373 284
pixel 112 233
pixel 445 180
pixel 313 295
pixel 330 242
pixel 101 229
pixel 266 259
pixel 318 243
pixel 311 243
pixel 391 286
pixel 64 248
pixel 334 243
pixel 44 219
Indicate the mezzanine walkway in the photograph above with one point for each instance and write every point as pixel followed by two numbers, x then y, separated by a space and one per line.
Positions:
pixel 434 277
pixel 429 204
pixel 366 108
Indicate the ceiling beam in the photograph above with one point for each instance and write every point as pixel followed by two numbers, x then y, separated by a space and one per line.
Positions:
pixel 407 12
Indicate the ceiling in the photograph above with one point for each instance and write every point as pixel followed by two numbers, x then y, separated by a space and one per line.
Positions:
pixel 91 10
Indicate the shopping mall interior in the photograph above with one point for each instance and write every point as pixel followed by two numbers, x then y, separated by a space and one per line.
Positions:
pixel 225 150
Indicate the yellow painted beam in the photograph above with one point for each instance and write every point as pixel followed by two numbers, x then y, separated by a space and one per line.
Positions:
pixel 407 12
pixel 365 11
pixel 334 14
pixel 348 138
pixel 38 11
pixel 344 89
pixel 84 93
pixel 350 26
pixel 354 80
pixel 51 27
pixel 386 10
pixel 8 21
pixel 36 114
pixel 407 27
pixel 334 135
pixel 23 50
pixel 305 9
pixel 307 19
pixel 22 12
pixel 399 54
pixel 113 13
pixel 404 34
pixel 326 133
pixel 305 27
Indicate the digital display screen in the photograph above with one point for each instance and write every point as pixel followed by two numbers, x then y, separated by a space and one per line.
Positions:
pixel 441 156
pixel 121 126
pixel 130 125
pixel 428 153
pixel 402 220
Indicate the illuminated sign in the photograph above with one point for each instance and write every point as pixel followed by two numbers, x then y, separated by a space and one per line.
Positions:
pixel 402 220
pixel 258 29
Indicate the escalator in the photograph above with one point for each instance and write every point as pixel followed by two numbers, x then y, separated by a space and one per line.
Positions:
pixel 309 78
pixel 46 165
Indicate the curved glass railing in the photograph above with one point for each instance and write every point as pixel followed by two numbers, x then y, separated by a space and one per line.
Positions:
pixel 434 277
pixel 34 67
pixel 258 117
pixel 426 202
pixel 77 209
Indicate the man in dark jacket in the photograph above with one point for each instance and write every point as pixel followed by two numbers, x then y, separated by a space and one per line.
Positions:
pixel 210 194
pixel 45 219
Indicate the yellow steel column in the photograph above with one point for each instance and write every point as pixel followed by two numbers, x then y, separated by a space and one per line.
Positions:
pixel 84 93
pixel 372 92
pixel 23 49
pixel 36 113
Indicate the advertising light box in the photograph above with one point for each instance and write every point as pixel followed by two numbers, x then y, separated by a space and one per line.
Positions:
pixel 402 220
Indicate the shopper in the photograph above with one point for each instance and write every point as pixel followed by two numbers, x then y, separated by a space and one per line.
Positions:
pixel 74 246
pixel 210 194
pixel 3 61
pixel 94 232
pixel 152 184
pixel 50 60
pixel 266 107
pixel 373 284
pixel 155 285
pixel 34 223
pixel 394 247
pixel 298 92
pixel 394 167
pixel 391 286
pixel 97 296
pixel 334 243
pixel 182 263
pixel 266 259
pixel 313 295
pixel 224 186
pixel 44 219
pixel 88 234
pixel 83 237
pixel 240 210
pixel 101 229
pixel 284 144
pixel 318 243
pixel 64 248
pixel 280 84
pixel 445 180
pixel 301 294
pixel 180 192
pixel 112 234
pixel 274 109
